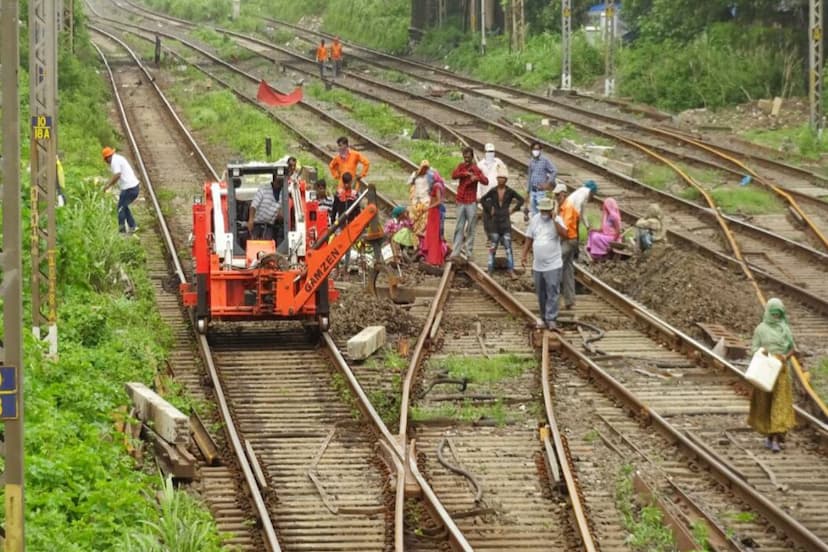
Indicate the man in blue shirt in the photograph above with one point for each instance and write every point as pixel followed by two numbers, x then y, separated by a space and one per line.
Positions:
pixel 540 178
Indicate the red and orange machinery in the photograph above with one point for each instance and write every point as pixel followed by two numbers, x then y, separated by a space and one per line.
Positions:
pixel 287 278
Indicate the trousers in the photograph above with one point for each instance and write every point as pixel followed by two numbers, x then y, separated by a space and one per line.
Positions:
pixel 546 287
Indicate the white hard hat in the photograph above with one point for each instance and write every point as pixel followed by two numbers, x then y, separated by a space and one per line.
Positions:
pixel 489 147
pixel 559 188
pixel 502 172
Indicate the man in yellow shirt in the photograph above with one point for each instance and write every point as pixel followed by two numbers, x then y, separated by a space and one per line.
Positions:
pixel 346 161
pixel 569 245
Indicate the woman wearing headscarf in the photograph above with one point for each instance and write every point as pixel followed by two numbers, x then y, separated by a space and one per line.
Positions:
pixel 598 242
pixel 398 228
pixel 772 414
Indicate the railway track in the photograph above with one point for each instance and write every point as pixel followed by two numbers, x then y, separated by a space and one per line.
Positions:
pixel 799 484
pixel 310 481
pixel 793 185
pixel 792 266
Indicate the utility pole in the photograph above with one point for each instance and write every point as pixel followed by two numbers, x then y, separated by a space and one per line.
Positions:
pixel 442 12
pixel 816 73
pixel 483 27
pixel 236 9
pixel 11 367
pixel 43 106
pixel 609 21
pixel 566 44
pixel 518 25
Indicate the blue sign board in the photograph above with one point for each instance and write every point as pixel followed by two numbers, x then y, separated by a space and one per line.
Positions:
pixel 8 393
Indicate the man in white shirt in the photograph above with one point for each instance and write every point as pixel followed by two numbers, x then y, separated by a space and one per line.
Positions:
pixel 490 166
pixel 581 197
pixel 123 174
pixel 543 237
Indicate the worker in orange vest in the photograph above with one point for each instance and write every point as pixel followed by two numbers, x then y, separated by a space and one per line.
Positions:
pixel 347 160
pixel 336 56
pixel 321 58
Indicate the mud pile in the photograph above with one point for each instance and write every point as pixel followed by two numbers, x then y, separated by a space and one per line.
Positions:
pixel 685 289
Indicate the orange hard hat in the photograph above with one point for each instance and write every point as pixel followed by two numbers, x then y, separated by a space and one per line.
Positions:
pixel 107 152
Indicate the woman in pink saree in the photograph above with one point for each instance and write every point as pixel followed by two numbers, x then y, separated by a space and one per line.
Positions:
pixel 598 243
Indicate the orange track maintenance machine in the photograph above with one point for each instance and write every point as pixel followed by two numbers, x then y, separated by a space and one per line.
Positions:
pixel 241 279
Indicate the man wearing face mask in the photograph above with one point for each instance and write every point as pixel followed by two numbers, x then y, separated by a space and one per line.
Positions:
pixel 543 237
pixel 490 166
pixel 540 178
pixel 346 161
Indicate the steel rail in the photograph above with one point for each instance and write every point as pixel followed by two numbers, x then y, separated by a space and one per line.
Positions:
pixel 819 257
pixel 258 500
pixel 562 453
pixel 455 535
pixel 512 134
pixel 475 83
pixel 770 511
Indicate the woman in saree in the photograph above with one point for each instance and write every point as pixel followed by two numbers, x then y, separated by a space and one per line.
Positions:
pixel 598 242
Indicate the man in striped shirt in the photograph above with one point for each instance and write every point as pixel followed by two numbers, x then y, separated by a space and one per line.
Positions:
pixel 265 210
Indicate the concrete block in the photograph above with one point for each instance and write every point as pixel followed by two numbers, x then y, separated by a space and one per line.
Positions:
pixel 776 106
pixel 366 342
pixel 765 105
pixel 166 420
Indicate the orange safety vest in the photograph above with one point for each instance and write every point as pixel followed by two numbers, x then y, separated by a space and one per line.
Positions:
pixel 321 53
pixel 336 50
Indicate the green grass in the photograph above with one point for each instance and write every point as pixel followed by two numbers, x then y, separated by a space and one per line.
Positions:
pixel 181 525
pixel 486 370
pixel 657 175
pixel 740 517
pixel 746 200
pixel 819 377
pixel 379 117
pixel 690 194
pixel 466 412
pixel 796 142
pixel 223 45
pixel 645 525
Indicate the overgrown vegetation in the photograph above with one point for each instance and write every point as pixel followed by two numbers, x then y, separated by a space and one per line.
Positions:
pixel 182 526
pixel 485 370
pixel 467 411
pixel 746 200
pixel 538 65
pixel 83 491
pixel 819 376
pixel 645 525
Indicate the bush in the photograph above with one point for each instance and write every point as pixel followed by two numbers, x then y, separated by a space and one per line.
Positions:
pixel 724 65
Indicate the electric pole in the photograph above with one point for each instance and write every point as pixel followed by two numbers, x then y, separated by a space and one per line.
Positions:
pixel 236 9
pixel 483 27
pixel 815 77
pixel 43 106
pixel 609 21
pixel 566 44
pixel 11 367
pixel 518 41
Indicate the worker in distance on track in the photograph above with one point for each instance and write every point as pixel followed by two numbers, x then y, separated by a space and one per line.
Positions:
pixel 128 183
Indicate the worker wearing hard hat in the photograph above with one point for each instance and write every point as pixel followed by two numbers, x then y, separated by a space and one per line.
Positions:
pixel 123 174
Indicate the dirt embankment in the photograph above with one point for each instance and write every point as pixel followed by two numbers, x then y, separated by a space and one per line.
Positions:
pixel 685 289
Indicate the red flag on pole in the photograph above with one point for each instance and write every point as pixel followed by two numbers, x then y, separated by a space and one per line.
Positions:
pixel 267 95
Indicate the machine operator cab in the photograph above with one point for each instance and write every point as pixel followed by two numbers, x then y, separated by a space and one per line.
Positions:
pixel 233 243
